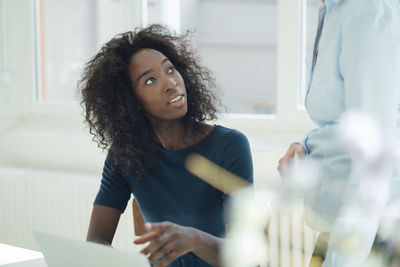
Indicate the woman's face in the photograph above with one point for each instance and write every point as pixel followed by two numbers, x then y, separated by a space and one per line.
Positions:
pixel 158 86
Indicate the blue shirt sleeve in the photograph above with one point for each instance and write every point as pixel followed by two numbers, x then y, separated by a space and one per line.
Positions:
pixel 114 189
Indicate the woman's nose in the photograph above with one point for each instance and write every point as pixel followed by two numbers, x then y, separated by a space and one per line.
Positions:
pixel 171 86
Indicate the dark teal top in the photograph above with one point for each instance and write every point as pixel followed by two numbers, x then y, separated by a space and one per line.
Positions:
pixel 170 193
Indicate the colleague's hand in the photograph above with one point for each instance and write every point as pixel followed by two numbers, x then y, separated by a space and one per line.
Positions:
pixel 168 241
pixel 294 150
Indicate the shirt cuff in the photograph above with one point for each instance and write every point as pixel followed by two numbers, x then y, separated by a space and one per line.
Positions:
pixel 303 142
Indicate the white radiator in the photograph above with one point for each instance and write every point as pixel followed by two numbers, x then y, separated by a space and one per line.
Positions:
pixel 53 202
pixel 290 241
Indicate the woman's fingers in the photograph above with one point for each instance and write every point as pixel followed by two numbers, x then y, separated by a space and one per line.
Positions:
pixel 173 251
pixel 157 255
pixel 299 151
pixel 160 227
pixel 154 230
pixel 298 148
pixel 164 250
pixel 295 150
pixel 283 162
pixel 155 244
pixel 172 242
pixel 147 237
pixel 167 260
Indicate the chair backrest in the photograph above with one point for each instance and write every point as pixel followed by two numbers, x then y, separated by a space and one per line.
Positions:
pixel 138 221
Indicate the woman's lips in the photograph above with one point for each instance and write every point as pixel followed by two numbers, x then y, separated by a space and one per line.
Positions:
pixel 177 100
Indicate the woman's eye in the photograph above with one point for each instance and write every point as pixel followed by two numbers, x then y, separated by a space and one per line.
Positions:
pixel 171 69
pixel 149 81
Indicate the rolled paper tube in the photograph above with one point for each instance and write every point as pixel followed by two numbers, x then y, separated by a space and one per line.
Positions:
pixel 214 175
pixel 316 261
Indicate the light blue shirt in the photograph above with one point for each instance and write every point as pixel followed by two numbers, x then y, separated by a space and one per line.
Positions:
pixel 357 68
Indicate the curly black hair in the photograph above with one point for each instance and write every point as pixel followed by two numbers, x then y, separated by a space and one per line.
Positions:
pixel 112 111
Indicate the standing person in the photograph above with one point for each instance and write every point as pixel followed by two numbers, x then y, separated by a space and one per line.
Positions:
pixel 146 100
pixel 356 66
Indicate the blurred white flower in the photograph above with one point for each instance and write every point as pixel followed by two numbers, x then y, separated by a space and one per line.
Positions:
pixel 376 259
pixel 394 150
pixel 372 193
pixel 300 176
pixel 244 248
pixel 389 224
pixel 361 135
pixel 246 243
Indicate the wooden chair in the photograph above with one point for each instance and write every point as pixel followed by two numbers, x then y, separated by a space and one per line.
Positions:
pixel 138 221
pixel 320 249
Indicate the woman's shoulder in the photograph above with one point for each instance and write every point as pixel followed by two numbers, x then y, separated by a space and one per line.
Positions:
pixel 226 139
pixel 225 133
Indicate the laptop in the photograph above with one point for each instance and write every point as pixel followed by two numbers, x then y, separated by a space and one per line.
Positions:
pixel 63 252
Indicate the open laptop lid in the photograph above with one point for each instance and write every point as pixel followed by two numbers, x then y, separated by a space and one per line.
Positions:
pixel 63 252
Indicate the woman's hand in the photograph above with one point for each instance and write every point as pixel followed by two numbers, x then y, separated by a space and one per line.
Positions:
pixel 168 241
pixel 294 150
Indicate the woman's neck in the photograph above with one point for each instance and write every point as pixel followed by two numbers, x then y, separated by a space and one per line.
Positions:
pixel 170 135
pixel 174 135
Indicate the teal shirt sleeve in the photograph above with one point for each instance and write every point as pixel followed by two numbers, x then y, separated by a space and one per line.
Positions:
pixel 114 189
pixel 238 156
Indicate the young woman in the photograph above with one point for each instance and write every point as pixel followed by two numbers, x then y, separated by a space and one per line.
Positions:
pixel 146 100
